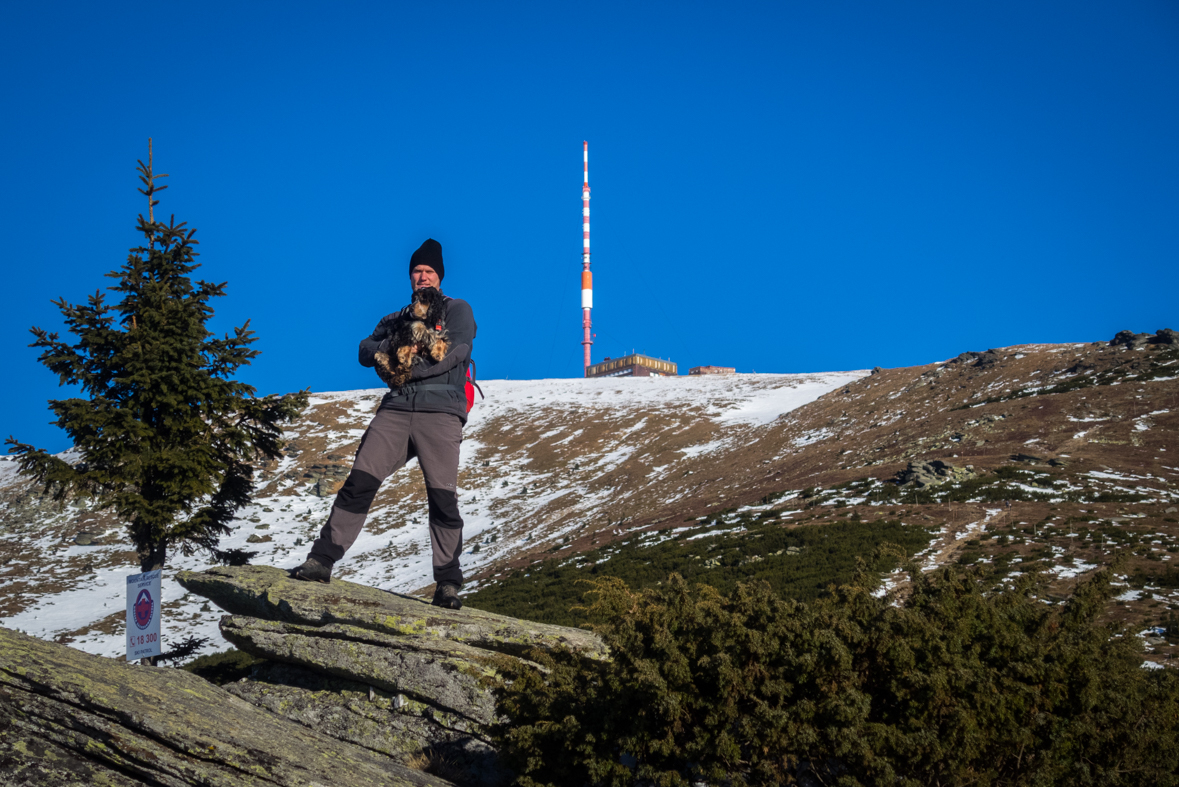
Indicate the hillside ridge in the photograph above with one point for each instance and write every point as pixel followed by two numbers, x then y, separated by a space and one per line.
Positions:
pixel 553 469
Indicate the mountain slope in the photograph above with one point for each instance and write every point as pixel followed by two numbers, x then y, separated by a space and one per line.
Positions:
pixel 540 459
pixel 1075 437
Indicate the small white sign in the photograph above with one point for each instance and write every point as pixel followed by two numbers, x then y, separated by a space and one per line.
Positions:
pixel 143 615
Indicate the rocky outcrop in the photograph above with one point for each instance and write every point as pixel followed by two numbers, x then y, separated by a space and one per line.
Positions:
pixel 988 359
pixel 1136 340
pixel 270 594
pixel 382 670
pixel 327 479
pixel 449 675
pixel 70 718
pixel 357 683
pixel 935 473
pixel 1129 339
pixel 984 360
pixel 385 722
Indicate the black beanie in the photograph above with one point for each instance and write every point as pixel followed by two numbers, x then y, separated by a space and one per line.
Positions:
pixel 429 253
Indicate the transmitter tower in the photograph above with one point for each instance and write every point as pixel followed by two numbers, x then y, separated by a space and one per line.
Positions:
pixel 587 278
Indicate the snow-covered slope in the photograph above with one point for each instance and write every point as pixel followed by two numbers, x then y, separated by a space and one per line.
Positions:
pixel 541 461
pixel 559 468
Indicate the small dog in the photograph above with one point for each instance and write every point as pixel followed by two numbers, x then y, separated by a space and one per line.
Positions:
pixel 421 330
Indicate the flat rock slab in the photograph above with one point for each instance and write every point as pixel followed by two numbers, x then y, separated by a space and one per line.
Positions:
pixel 450 675
pixel 68 717
pixel 269 593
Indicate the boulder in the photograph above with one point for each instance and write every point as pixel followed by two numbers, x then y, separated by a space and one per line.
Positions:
pixel 988 359
pixel 382 721
pixel 449 675
pixel 327 479
pixel 965 357
pixel 327 487
pixel 383 670
pixel 71 718
pixel 270 594
pixel 1165 336
pixel 933 473
pixel 1129 339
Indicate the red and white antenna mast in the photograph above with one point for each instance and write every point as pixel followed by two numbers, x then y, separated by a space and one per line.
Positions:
pixel 587 278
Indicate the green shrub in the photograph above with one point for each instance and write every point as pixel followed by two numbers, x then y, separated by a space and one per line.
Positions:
pixel 957 686
pixel 1167 577
pixel 1115 497
pixel 551 592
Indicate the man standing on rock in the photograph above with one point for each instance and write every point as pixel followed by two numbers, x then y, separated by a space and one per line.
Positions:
pixel 423 418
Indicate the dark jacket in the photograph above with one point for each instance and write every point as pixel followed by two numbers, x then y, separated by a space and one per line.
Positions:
pixel 434 387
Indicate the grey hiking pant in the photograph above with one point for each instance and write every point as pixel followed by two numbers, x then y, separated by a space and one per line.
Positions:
pixel 392 439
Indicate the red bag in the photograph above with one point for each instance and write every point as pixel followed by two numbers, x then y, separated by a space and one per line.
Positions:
pixel 470 387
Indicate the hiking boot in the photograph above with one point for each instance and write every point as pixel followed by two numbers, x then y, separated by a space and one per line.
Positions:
pixel 313 570
pixel 446 595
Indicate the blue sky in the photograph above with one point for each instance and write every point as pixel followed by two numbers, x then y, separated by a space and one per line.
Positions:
pixel 780 187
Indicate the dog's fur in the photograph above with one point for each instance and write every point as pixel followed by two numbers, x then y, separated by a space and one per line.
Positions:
pixel 420 331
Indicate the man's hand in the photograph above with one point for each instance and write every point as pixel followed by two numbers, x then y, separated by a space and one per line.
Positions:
pixel 428 368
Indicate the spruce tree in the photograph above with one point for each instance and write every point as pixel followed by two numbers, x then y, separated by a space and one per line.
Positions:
pixel 165 436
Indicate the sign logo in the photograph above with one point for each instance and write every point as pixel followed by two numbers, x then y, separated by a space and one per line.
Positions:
pixel 144 607
pixel 144 610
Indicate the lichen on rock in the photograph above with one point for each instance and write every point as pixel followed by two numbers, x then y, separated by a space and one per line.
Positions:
pixel 68 717
pixel 381 670
pixel 270 594
pixel 383 721
pixel 440 672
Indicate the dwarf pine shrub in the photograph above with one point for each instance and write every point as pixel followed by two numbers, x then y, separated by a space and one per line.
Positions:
pixel 551 592
pixel 958 685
